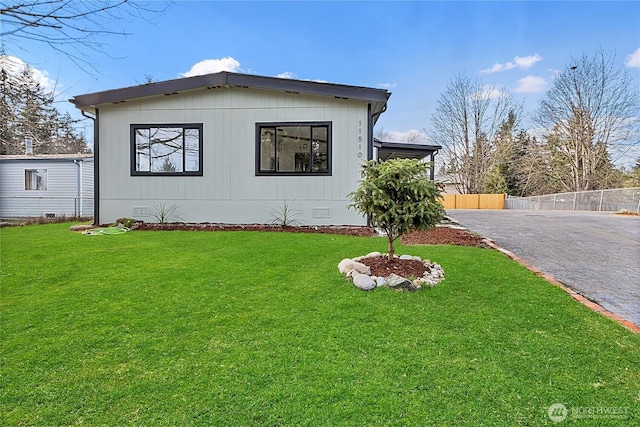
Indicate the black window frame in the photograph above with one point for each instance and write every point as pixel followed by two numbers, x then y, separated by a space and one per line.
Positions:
pixel 133 148
pixel 311 124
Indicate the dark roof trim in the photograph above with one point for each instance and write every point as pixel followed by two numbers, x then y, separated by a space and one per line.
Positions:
pixel 227 79
pixel 387 150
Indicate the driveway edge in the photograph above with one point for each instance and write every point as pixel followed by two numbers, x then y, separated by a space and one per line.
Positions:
pixel 576 296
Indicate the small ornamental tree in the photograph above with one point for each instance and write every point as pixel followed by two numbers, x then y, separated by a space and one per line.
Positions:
pixel 398 197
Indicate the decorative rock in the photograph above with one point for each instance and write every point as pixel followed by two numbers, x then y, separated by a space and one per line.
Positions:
pixel 347 265
pixel 363 281
pixel 400 284
pixel 393 279
pixel 361 277
pixel 343 266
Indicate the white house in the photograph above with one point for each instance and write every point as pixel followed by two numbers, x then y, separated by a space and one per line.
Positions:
pixel 232 148
pixel 46 185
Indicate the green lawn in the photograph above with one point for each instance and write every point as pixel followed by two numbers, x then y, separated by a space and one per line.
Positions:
pixel 248 328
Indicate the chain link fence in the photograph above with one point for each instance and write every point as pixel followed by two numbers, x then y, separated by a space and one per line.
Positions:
pixel 614 200
pixel 16 207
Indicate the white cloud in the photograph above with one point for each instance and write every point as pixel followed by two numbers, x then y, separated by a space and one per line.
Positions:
pixel 209 66
pixel 287 75
pixel 386 85
pixel 531 84
pixel 14 65
pixel 633 60
pixel 293 76
pixel 522 62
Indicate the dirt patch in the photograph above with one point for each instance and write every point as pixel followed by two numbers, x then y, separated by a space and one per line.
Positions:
pixel 433 236
pixel 338 229
pixel 443 236
pixel 627 212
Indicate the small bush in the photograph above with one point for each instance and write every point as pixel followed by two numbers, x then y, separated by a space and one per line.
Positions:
pixel 398 197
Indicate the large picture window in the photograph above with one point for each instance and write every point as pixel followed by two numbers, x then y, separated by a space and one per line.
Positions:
pixel 35 179
pixel 293 148
pixel 166 149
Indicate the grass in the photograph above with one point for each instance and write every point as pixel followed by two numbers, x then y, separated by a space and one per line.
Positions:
pixel 249 328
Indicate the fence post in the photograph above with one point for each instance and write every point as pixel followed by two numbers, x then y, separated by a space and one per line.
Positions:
pixel 601 196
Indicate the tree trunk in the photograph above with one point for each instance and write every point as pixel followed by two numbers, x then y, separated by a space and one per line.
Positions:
pixel 391 251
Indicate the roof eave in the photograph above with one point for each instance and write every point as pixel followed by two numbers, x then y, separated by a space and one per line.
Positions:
pixel 89 102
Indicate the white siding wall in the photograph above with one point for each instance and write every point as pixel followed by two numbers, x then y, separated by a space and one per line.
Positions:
pixel 229 191
pixel 63 196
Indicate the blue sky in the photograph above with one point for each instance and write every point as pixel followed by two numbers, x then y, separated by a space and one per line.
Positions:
pixel 413 49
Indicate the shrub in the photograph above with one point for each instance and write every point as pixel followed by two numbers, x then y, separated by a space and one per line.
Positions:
pixel 398 197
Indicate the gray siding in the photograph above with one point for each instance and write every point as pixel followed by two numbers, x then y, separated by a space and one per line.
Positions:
pixel 229 191
pixel 69 188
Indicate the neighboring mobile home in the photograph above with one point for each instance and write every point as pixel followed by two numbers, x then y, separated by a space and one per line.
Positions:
pixel 232 148
pixel 46 185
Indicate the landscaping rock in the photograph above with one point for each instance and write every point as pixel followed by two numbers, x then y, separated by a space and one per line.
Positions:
pixel 378 272
pixel 399 283
pixel 347 265
pixel 363 281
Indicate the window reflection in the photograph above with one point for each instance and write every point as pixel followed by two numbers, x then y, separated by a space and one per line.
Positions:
pixel 167 150
pixel 298 148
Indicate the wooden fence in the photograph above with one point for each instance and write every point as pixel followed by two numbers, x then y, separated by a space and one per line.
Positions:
pixel 473 201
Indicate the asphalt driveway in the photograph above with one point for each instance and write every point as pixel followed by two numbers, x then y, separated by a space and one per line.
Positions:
pixel 597 254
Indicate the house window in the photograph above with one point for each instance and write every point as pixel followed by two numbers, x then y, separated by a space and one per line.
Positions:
pixel 293 148
pixel 166 150
pixel 35 179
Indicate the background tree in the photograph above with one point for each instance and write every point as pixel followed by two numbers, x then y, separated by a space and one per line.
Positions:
pixel 397 196
pixel 72 28
pixel 466 122
pixel 590 114
pixel 501 176
pixel 631 177
pixel 27 111
pixel 413 136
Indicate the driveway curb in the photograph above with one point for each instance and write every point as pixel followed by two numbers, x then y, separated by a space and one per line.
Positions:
pixel 576 296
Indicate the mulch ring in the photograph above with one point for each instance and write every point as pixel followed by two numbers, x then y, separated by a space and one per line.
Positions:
pixel 382 267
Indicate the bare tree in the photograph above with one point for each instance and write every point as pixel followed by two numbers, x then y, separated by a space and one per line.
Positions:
pixel 72 28
pixel 412 136
pixel 590 114
pixel 467 119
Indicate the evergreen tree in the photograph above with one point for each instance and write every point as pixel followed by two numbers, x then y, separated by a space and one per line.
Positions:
pixel 27 112
pixel 397 197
